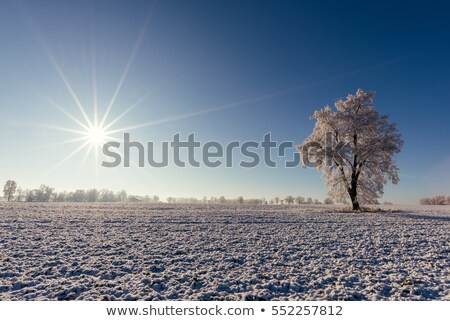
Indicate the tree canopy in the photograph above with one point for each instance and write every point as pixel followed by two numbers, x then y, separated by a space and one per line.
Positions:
pixel 354 147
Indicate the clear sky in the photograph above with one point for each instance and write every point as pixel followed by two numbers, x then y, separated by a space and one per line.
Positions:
pixel 273 62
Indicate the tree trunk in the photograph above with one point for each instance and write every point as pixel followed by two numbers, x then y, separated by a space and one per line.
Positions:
pixel 355 204
pixel 352 191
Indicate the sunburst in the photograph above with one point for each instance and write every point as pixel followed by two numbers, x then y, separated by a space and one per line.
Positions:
pixel 91 132
pixel 96 135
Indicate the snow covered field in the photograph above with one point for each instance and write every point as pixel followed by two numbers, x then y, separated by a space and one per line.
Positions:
pixel 206 252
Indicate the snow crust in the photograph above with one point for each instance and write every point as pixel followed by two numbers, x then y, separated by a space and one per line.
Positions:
pixel 222 252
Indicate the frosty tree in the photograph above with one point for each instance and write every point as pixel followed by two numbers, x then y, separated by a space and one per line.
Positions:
pixel 354 148
pixel 9 189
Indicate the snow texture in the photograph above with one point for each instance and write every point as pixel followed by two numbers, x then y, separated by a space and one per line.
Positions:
pixel 222 252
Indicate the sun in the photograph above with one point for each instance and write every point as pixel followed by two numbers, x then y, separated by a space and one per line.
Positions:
pixel 96 135
pixel 92 131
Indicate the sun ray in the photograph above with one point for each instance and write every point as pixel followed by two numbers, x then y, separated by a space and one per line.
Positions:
pixel 64 129
pixel 65 142
pixel 65 159
pixel 43 43
pixel 123 114
pixel 261 98
pixel 95 165
pixel 85 157
pixel 203 111
pixel 65 112
pixel 63 78
pixel 129 109
pixel 127 67
pixel 94 81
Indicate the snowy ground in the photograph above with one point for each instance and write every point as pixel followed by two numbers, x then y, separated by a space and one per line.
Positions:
pixel 157 252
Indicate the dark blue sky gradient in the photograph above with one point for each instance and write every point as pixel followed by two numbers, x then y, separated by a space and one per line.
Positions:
pixel 210 53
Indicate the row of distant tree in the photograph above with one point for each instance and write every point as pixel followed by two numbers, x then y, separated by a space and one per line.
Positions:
pixel 12 192
pixel 300 200
pixel 289 200
pixel 436 200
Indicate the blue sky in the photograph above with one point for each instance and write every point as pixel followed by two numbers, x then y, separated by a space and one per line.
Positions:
pixel 198 55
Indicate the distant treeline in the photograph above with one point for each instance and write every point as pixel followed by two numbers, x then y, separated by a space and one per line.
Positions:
pixel 251 201
pixel 436 200
pixel 12 192
pixel 45 193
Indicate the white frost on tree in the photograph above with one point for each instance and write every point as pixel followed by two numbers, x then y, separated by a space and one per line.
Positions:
pixel 367 161
pixel 9 190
